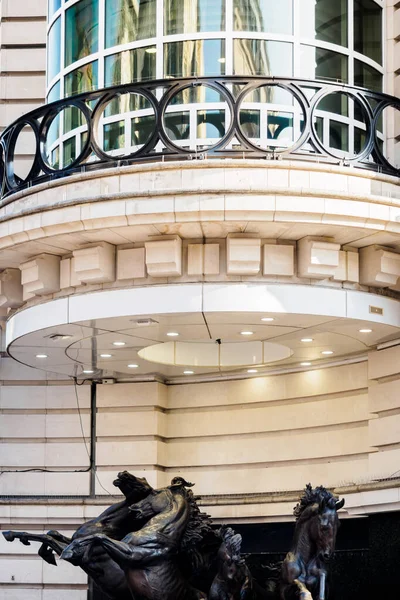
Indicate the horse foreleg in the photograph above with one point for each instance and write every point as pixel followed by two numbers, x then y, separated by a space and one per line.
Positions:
pixel 49 544
pixel 305 594
pixel 125 554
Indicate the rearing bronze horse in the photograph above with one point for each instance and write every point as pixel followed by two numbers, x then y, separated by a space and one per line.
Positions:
pixel 304 569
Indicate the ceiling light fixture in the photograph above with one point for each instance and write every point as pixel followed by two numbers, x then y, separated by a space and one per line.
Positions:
pixel 172 334
pixel 267 319
pixel 88 372
pixel 188 372
pixel 151 50
pixel 327 352
pixel 247 333
pixel 119 343
pixel 365 330
pixel 105 355
pixel 305 364
pixel 133 366
pixel 305 340
pixel 41 356
pixel 222 60
pixel 252 370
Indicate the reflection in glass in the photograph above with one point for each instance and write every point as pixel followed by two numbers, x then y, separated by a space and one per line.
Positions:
pixel 260 57
pixel 194 58
pixel 129 20
pixel 54 5
pixel 316 63
pixel 177 125
pixel 367 77
pixel 263 15
pixel 55 93
pixel 191 16
pixel 81 30
pixel 130 66
pixel 114 136
pixel 84 79
pixel 210 124
pixel 324 20
pixel 368 29
pixel 54 50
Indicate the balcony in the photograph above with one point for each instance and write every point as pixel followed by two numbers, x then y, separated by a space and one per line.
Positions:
pixel 264 118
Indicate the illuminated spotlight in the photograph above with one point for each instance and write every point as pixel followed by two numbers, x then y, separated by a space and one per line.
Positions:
pixel 305 340
pixel 41 356
pixel 305 364
pixel 252 370
pixel 247 333
pixel 267 319
pixel 119 343
pixel 327 352
pixel 133 366
pixel 88 372
pixel 105 355
pixel 173 334
pixel 365 330
pixel 188 372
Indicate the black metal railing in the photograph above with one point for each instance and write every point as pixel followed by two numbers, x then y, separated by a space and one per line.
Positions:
pixel 198 118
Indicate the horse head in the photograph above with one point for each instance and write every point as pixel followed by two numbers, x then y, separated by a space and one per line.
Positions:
pixel 317 511
pixel 133 488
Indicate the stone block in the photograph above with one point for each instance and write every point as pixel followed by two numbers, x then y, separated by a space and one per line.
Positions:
pixel 41 275
pixel 243 256
pixel 195 259
pixel 379 266
pixel 317 258
pixel 68 276
pixel 278 260
pixel 11 292
pixel 211 259
pixel 131 264
pixel 95 264
pixel 164 257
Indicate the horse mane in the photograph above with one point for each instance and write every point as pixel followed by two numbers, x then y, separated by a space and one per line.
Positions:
pixel 233 542
pixel 318 495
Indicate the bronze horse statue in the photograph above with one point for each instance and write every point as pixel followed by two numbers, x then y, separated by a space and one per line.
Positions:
pixel 304 569
pixel 116 522
pixel 150 557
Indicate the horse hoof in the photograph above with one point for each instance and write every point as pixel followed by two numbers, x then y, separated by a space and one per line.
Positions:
pixel 10 537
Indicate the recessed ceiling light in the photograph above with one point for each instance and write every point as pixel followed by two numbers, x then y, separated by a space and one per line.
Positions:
pixel 327 352
pixel 105 355
pixel 267 319
pixel 252 370
pixel 88 372
pixel 133 366
pixel 188 372
pixel 172 334
pixel 365 330
pixel 119 343
pixel 247 333
pixel 307 340
pixel 151 50
pixel 41 356
pixel 305 364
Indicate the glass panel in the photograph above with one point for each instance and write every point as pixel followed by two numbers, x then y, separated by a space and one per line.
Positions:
pixel 81 30
pixel 263 15
pixel 70 151
pixel 84 79
pixel 114 136
pixel 54 51
pixel 210 124
pixel 54 5
pixel 259 57
pixel 367 77
pixel 189 16
pixel 324 20
pixel 194 58
pixel 54 93
pixel 130 66
pixel 142 130
pixel 368 29
pixel 177 125
pixel 129 20
pixel 316 63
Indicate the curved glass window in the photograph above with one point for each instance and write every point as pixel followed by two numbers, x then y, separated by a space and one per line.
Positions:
pixel 317 63
pixel 367 77
pixel 53 6
pixel 259 57
pixel 55 93
pixel 84 79
pixel 54 51
pixel 368 29
pixel 190 16
pixel 129 20
pixel 138 64
pixel 324 20
pixel 263 15
pixel 194 58
pixel 81 30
